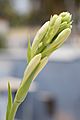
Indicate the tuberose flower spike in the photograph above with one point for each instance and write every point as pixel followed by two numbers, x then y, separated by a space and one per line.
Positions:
pixel 49 38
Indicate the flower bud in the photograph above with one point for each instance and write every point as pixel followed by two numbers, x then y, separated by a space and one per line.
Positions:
pixel 52 30
pixel 57 42
pixel 41 65
pixel 23 89
pixel 32 65
pixel 52 20
pixel 39 36
pixel 66 16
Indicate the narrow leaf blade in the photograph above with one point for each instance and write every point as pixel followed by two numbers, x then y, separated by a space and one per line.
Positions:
pixel 9 104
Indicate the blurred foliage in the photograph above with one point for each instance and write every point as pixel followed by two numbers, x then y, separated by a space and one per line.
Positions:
pixel 36 16
pixel 2 42
pixel 39 16
pixel 47 8
pixel 5 9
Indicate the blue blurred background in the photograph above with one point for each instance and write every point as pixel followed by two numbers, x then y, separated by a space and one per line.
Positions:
pixel 55 94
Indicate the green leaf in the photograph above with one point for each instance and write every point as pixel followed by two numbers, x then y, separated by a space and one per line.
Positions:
pixel 9 104
pixel 29 51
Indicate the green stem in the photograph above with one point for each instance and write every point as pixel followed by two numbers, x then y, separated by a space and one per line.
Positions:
pixel 13 110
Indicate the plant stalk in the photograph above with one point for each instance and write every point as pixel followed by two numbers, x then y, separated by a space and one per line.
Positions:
pixel 13 110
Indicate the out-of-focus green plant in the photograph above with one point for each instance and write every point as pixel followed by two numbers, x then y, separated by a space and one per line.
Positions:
pixel 50 37
pixel 2 41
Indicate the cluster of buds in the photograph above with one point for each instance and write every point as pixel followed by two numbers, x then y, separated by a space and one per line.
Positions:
pixel 49 37
pixel 52 34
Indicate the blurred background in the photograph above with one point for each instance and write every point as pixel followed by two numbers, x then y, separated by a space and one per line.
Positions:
pixel 55 94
